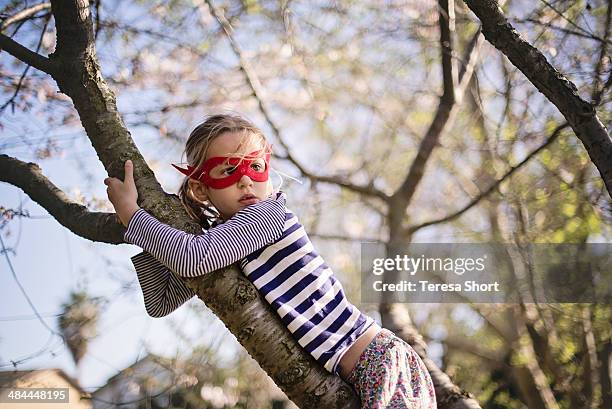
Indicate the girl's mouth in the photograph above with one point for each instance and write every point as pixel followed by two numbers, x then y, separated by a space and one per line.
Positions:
pixel 248 199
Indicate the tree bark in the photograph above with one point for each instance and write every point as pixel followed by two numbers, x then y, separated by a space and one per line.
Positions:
pixel 605 374
pixel 591 367
pixel 580 114
pixel 75 68
pixel 543 396
pixel 95 226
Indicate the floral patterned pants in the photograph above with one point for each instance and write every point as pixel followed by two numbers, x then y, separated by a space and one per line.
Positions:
pixel 390 374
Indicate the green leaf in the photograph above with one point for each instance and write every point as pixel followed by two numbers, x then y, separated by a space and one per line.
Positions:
pixel 568 209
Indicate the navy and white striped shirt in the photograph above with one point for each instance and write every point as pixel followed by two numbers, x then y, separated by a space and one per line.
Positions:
pixel 275 254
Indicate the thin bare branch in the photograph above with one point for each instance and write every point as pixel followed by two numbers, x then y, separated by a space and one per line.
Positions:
pixel 11 100
pixel 580 114
pixel 493 359
pixel 340 237
pixel 178 42
pixel 494 185
pixel 24 15
pixel 561 29
pixel 597 93
pixel 259 94
pixel 560 14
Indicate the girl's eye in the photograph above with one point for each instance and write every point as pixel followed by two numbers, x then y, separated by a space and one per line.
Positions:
pixel 229 171
pixel 258 167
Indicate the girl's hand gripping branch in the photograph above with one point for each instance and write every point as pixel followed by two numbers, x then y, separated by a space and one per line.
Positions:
pixel 123 195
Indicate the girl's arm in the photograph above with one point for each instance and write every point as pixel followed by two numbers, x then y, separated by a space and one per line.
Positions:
pixel 191 255
pixel 163 291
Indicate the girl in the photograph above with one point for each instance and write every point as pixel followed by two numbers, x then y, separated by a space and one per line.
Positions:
pixel 229 192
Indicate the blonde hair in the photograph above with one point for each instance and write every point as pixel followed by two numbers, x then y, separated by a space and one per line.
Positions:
pixel 196 149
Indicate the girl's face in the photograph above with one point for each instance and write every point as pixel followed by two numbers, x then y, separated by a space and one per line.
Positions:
pixel 228 201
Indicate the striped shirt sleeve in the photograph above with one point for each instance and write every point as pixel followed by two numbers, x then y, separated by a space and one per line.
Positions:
pixel 191 255
pixel 162 290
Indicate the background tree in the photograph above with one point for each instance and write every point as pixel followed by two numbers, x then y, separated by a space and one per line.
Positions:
pixel 408 85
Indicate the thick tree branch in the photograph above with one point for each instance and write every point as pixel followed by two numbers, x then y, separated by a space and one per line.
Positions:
pixel 234 299
pixel 448 395
pixel 559 90
pixel 591 369
pixel 446 17
pixel 605 374
pixel 81 79
pixel 441 121
pixel 26 55
pixel 545 396
pixel 96 226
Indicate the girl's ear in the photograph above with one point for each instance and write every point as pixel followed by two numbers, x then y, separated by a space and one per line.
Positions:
pixel 198 189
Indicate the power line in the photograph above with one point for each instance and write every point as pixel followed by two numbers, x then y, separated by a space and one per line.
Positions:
pixel 23 291
pixel 25 317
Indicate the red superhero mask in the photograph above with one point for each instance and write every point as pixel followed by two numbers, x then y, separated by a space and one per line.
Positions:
pixel 242 166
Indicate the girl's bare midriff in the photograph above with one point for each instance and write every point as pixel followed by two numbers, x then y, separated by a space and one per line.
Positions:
pixel 350 357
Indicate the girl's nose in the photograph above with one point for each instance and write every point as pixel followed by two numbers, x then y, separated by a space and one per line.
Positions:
pixel 244 181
